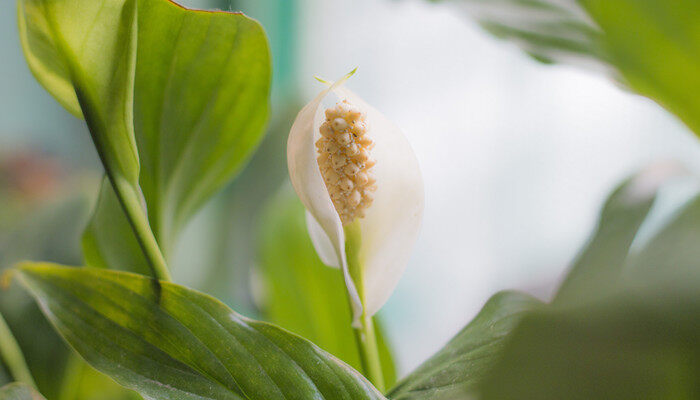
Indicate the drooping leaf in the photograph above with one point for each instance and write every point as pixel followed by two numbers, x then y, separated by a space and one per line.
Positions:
pixel 457 368
pixel 652 46
pixel 599 266
pixel 19 391
pixel 200 106
pixel 167 341
pixel 301 293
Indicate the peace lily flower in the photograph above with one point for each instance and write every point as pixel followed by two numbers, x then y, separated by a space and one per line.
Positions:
pixel 359 180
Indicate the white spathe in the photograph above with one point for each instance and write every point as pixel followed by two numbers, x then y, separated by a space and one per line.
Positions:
pixel 390 227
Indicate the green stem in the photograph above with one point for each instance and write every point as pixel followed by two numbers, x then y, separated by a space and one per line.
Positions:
pixel 365 336
pixel 12 355
pixel 131 203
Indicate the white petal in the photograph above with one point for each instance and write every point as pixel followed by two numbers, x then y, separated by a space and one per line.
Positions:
pixel 390 228
pixel 322 244
pixel 311 189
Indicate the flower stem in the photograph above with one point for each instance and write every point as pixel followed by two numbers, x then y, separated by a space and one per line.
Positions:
pixel 13 357
pixel 131 204
pixel 365 336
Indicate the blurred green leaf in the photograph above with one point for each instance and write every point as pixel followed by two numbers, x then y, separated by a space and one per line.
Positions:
pixel 637 345
pixel 19 391
pixel 599 266
pixel 200 105
pixel 457 368
pixel 299 292
pixel 652 46
pixel 625 323
pixel 672 257
pixel 167 341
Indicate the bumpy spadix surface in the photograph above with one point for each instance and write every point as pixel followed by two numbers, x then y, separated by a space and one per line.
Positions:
pixel 389 223
pixel 345 162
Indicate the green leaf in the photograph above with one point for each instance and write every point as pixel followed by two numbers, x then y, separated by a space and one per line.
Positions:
pixel 300 293
pixel 456 369
pixel 89 46
pixel 599 266
pixel 672 257
pixel 637 345
pixel 652 46
pixel 19 391
pixel 200 106
pixel 167 341
pixel 201 103
pixel 655 46
pixel 625 323
pixel 189 87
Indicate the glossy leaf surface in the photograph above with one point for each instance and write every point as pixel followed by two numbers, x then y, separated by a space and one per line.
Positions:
pixel 189 88
pixel 455 370
pixel 83 52
pixel 167 341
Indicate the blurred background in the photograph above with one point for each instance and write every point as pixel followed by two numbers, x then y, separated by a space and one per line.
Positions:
pixel 517 157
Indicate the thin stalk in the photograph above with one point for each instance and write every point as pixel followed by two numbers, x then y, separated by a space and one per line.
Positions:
pixel 13 357
pixel 131 204
pixel 365 337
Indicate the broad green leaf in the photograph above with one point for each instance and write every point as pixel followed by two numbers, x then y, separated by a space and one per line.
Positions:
pixel 652 46
pixel 455 370
pixel 599 266
pixel 637 345
pixel 300 293
pixel 167 341
pixel 200 105
pixel 89 45
pixel 19 391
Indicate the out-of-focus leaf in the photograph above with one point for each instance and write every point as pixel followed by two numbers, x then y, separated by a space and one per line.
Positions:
pixel 457 368
pixel 549 30
pixel 655 46
pixel 652 46
pixel 672 257
pixel 200 105
pixel 625 324
pixel 167 341
pixel 637 345
pixel 599 266
pixel 299 292
pixel 19 391
pixel 48 231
